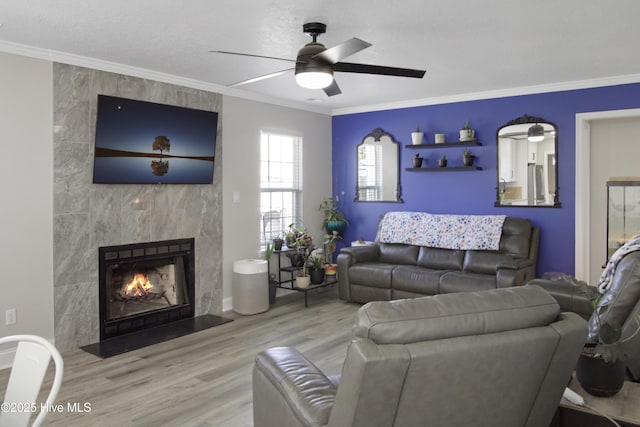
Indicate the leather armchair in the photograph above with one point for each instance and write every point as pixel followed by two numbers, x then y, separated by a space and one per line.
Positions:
pixel 491 358
pixel 618 306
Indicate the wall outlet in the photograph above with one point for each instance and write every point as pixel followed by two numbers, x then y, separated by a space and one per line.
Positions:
pixel 10 316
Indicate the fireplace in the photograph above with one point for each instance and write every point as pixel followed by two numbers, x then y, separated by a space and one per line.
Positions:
pixel 144 285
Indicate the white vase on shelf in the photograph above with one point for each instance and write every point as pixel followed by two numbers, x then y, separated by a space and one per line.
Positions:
pixel 467 135
pixel 416 138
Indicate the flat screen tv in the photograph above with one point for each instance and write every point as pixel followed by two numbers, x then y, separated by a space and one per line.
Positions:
pixel 140 142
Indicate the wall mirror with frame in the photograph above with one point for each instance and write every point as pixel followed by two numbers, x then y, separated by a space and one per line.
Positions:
pixel 527 163
pixel 378 168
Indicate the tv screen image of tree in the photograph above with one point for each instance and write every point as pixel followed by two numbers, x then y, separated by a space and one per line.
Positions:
pixel 140 142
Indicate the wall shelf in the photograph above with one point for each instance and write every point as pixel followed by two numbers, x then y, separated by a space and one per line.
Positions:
pixel 473 143
pixel 445 169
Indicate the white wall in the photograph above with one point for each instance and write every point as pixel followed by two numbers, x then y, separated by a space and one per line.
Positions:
pixel 614 153
pixel 26 194
pixel 241 124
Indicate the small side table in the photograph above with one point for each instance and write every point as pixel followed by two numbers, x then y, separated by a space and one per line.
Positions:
pixel 289 284
pixel 623 407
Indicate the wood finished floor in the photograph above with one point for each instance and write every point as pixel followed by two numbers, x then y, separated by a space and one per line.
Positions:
pixel 203 379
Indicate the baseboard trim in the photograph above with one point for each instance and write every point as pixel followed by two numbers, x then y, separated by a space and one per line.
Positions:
pixel 227 304
pixel 6 357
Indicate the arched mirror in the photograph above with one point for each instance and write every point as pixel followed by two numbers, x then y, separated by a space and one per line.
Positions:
pixel 528 163
pixel 378 168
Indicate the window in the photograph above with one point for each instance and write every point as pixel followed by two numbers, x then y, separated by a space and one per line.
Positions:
pixel 370 172
pixel 280 183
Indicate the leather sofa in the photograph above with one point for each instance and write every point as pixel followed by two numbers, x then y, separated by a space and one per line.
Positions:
pixel 388 271
pixel 618 307
pixel 498 358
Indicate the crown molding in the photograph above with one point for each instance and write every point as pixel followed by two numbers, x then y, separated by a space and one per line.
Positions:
pixel 501 93
pixel 83 61
pixel 114 67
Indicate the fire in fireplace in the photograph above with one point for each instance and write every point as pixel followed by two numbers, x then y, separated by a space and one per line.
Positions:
pixel 144 285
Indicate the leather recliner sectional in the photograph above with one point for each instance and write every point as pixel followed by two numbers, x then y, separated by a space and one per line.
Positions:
pixel 388 271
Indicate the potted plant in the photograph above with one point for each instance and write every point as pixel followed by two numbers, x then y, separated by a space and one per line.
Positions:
pixel 442 162
pixel 330 269
pixel 290 236
pixel 298 239
pixel 416 137
pixel 467 157
pixel 277 243
pixel 417 161
pixel 466 133
pixel 316 271
pixel 334 219
pixel 330 246
pixel 303 248
pixel 601 368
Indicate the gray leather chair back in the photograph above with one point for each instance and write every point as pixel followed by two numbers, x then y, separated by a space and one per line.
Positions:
pixel 491 358
pixel 497 358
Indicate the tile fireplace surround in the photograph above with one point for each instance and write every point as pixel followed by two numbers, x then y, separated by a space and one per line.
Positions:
pixel 87 216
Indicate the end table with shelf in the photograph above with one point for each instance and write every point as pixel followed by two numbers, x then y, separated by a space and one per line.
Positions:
pixel 622 407
pixel 289 283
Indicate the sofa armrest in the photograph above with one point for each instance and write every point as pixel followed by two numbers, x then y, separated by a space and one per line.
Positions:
pixel 511 271
pixel 568 296
pixel 514 263
pixel 368 253
pixel 349 256
pixel 289 390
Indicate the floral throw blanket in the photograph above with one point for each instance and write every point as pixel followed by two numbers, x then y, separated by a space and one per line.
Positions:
pixel 607 275
pixel 467 232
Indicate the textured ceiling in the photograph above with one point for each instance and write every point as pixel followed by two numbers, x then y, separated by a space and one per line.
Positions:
pixel 466 46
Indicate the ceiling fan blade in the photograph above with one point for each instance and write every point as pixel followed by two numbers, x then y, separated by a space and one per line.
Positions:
pixel 349 67
pixel 257 79
pixel 332 89
pixel 251 55
pixel 341 51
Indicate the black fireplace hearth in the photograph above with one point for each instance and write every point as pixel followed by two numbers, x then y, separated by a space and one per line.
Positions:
pixel 168 331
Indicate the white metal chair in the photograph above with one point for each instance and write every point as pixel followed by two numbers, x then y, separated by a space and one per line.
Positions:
pixel 27 373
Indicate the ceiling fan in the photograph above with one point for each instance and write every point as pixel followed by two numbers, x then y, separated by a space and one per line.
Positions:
pixel 315 64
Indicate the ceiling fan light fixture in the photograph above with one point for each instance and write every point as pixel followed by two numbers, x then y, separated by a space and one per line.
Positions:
pixel 535 133
pixel 313 73
pixel 314 79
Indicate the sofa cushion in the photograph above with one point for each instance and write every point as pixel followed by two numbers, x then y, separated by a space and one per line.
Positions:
pixel 458 281
pixel 394 253
pixel 373 274
pixel 482 261
pixel 420 280
pixel 454 315
pixel 516 237
pixel 364 294
pixel 440 259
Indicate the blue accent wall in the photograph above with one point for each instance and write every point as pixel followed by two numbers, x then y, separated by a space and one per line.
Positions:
pixel 464 192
